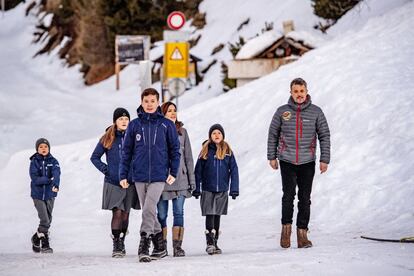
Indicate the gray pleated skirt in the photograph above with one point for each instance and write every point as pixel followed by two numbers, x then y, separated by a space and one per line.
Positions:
pixel 214 203
pixel 117 197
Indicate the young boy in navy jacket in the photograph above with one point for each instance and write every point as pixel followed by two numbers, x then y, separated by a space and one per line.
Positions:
pixel 151 144
pixel 45 176
pixel 216 173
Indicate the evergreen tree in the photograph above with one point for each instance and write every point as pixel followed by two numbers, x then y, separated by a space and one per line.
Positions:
pixel 333 9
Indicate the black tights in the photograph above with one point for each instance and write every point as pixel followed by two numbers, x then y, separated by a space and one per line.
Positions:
pixel 213 222
pixel 119 223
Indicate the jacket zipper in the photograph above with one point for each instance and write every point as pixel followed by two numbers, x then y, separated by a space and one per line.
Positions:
pixel 149 148
pixel 297 133
pixel 120 147
pixel 44 174
pixel 155 136
pixel 218 171
pixel 143 134
pixel 120 153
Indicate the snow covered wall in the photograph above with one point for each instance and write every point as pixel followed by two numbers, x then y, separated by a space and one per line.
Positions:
pixel 362 79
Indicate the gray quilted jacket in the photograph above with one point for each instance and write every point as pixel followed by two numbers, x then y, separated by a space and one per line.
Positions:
pixel 293 133
pixel 185 177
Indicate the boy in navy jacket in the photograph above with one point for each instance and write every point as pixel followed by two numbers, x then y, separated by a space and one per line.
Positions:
pixel 45 176
pixel 151 144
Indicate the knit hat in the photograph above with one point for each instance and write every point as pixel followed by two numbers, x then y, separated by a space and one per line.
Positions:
pixel 214 127
pixel 42 141
pixel 119 112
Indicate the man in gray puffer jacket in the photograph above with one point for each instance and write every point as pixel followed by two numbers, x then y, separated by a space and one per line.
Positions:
pixel 292 139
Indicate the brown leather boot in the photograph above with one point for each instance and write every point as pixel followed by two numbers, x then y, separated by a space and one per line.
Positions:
pixel 164 237
pixel 303 241
pixel 285 235
pixel 178 234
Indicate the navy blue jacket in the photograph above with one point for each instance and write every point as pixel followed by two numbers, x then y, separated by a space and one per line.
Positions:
pixel 151 144
pixel 45 174
pixel 113 157
pixel 214 175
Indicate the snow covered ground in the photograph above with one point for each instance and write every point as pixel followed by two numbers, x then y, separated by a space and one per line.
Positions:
pixel 361 77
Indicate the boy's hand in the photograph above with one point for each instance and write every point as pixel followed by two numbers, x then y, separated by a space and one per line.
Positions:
pixel 170 180
pixel 323 167
pixel 55 189
pixel 124 183
pixel 273 164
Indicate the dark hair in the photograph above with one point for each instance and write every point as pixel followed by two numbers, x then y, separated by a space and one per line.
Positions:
pixel 150 91
pixel 298 81
pixel 178 124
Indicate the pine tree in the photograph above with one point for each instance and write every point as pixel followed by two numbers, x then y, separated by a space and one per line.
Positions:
pixel 333 9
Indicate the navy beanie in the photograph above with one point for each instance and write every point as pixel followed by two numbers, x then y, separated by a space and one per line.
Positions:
pixel 42 141
pixel 119 112
pixel 214 127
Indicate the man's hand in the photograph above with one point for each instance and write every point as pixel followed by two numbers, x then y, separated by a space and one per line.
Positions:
pixel 323 167
pixel 273 164
pixel 170 180
pixel 124 183
pixel 55 189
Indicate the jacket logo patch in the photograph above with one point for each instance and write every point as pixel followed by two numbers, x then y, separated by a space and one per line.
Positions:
pixel 138 137
pixel 286 115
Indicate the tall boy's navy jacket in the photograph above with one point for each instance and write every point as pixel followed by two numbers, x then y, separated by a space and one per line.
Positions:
pixel 45 174
pixel 113 157
pixel 151 143
pixel 214 174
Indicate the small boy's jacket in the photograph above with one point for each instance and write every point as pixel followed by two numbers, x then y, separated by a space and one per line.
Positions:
pixel 214 175
pixel 45 174
pixel 113 157
pixel 151 144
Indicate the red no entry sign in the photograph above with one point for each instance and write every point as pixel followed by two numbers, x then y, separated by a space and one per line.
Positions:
pixel 176 20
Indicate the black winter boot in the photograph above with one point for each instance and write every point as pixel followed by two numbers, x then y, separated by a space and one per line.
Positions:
pixel 36 242
pixel 117 247
pixel 217 249
pixel 143 250
pixel 122 245
pixel 44 243
pixel 159 250
pixel 210 237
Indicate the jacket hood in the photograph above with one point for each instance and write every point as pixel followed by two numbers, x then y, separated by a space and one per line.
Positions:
pixel 39 156
pixel 144 115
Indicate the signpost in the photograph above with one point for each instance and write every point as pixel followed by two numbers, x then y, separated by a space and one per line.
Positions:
pixel 176 20
pixel 3 7
pixel 174 36
pixel 176 56
pixel 176 88
pixel 130 49
pixel 176 60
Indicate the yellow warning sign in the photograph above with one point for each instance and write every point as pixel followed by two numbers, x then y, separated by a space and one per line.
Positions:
pixel 176 55
pixel 176 60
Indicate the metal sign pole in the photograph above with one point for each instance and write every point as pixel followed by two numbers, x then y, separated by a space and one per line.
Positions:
pixel 3 7
pixel 177 91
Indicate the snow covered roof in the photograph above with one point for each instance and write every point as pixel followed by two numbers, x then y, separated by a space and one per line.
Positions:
pixel 257 45
pixel 308 38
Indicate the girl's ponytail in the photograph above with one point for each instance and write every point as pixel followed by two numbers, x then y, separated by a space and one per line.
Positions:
pixel 108 138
